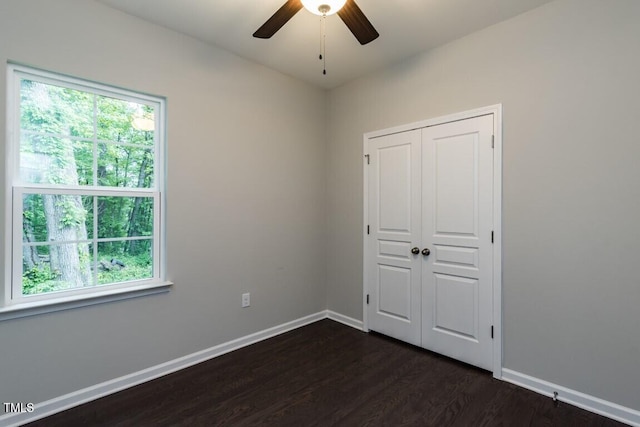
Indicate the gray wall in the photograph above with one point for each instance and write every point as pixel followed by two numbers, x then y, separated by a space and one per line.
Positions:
pixel 254 178
pixel 568 76
pixel 246 182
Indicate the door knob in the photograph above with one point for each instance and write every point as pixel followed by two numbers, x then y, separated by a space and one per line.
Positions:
pixel 426 252
pixel 415 251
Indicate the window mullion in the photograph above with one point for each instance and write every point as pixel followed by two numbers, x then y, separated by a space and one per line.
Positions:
pixel 95 141
pixel 16 267
pixel 89 191
pixel 157 232
pixel 95 241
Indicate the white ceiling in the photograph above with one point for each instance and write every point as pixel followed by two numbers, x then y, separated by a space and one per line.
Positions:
pixel 406 28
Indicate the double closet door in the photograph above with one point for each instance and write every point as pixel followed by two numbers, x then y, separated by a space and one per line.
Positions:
pixel 429 248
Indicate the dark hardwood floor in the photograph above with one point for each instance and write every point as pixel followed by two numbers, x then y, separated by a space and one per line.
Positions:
pixel 327 374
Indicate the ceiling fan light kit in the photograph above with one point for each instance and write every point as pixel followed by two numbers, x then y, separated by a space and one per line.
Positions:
pixel 323 7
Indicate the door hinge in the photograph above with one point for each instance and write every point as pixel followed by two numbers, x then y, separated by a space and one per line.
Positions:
pixel 491 331
pixel 493 141
pixel 368 229
pixel 368 159
pixel 367 299
pixel 491 236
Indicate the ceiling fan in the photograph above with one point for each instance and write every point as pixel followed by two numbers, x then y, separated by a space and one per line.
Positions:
pixel 348 11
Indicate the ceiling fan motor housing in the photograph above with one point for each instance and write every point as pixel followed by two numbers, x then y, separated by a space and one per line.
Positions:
pixel 323 7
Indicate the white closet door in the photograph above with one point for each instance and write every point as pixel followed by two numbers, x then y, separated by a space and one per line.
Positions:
pixel 457 224
pixel 394 227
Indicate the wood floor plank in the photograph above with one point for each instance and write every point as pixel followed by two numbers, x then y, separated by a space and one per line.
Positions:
pixel 327 374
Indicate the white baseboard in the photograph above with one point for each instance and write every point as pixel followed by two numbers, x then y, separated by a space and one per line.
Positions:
pixel 346 320
pixel 97 391
pixel 573 397
pixel 58 404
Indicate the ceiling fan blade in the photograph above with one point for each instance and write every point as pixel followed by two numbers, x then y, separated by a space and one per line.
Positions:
pixel 278 19
pixel 357 22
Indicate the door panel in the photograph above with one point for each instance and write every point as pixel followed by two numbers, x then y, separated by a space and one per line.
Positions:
pixel 394 183
pixel 455 306
pixel 456 257
pixel 455 186
pixel 457 201
pixel 394 291
pixel 401 250
pixel 395 228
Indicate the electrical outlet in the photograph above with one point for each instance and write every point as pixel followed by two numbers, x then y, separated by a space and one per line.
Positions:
pixel 246 300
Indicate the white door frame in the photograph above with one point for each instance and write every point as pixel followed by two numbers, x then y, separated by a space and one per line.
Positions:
pixel 496 110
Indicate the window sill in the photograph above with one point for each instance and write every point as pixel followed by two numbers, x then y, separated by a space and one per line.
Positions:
pixel 59 304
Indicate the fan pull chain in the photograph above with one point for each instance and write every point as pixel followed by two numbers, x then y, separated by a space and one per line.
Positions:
pixel 323 43
pixel 321 34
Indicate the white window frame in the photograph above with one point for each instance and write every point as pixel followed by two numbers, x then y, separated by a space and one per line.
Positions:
pixel 12 303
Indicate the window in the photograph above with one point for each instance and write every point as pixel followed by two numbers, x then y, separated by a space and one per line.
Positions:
pixel 85 183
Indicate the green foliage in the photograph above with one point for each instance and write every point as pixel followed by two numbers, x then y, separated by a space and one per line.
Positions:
pixel 73 215
pixel 39 279
pixel 34 221
pixel 136 267
pixel 58 129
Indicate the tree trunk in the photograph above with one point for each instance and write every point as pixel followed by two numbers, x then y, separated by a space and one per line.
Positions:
pixel 134 226
pixel 30 257
pixel 66 223
pixel 66 258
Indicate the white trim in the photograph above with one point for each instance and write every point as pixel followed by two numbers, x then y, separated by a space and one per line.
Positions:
pixel 67 302
pixel 365 224
pixel 79 83
pixel 9 161
pixel 497 241
pixel 87 190
pixel 70 400
pixel 345 320
pixel 496 111
pixel 573 397
pixel 463 115
pixel 12 302
pixel 97 391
